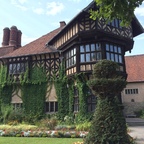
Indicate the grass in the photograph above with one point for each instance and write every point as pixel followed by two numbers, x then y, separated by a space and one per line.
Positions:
pixel 20 140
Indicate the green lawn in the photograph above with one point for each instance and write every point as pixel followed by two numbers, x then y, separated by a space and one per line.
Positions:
pixel 25 140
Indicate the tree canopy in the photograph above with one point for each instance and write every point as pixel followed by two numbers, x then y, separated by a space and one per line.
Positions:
pixel 120 9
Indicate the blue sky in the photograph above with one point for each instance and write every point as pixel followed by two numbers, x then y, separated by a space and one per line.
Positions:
pixel 38 17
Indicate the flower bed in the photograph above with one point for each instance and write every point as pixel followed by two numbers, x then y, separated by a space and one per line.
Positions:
pixel 42 133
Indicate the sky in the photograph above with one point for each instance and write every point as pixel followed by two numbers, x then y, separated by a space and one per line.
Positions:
pixel 36 18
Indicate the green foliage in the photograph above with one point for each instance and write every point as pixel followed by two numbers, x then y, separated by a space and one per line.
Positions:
pixel 108 125
pixel 48 123
pixel 60 83
pixel 6 94
pixel 3 76
pixel 34 89
pixel 106 81
pixel 107 87
pixel 83 94
pixel 33 96
pixel 71 96
pixel 5 111
pixel 16 115
pixel 139 113
pixel 111 9
pixel 83 126
pixel 105 69
pixel 5 86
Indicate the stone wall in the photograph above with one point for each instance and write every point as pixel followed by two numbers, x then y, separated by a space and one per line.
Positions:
pixel 130 108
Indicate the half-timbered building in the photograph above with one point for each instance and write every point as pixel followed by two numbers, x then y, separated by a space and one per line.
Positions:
pixel 79 44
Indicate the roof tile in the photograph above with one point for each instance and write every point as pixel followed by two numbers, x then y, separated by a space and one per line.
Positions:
pixel 37 46
pixel 135 68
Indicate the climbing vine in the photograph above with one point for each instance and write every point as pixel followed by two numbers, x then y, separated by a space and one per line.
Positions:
pixel 5 86
pixel 60 83
pixel 83 95
pixel 34 89
pixel 71 95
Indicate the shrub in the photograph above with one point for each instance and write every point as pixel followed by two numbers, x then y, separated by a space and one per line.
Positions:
pixel 83 127
pixel 48 123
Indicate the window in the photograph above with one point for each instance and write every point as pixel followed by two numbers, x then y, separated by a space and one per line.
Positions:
pixel 131 91
pixel 71 57
pixel 17 106
pixel 17 68
pixel 115 23
pixel 114 53
pixel 91 101
pixel 51 107
pixel 90 52
pixel 76 100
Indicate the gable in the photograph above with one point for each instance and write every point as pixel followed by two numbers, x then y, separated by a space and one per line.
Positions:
pixel 82 23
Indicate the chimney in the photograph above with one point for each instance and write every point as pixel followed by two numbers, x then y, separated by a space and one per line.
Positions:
pixel 6 35
pixel 19 33
pixel 62 24
pixel 13 36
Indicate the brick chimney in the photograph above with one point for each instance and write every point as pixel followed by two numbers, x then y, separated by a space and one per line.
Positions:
pixel 12 37
pixel 62 23
pixel 19 33
pixel 6 34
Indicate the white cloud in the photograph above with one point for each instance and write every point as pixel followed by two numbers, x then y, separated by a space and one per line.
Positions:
pixel 54 7
pixel 139 11
pixel 22 1
pixel 19 4
pixel 38 11
pixel 26 39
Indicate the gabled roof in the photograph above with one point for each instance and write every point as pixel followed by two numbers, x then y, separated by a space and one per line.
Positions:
pixel 136 26
pixel 37 46
pixel 135 68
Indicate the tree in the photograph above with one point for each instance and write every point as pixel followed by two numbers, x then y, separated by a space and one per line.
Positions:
pixel 120 9
pixel 108 125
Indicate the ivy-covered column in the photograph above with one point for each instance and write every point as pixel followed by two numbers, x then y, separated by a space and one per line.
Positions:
pixel 62 93
pixel 33 96
pixel 6 86
pixel 83 95
pixel 34 89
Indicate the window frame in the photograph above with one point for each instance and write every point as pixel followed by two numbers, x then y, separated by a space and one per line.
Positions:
pixel 17 67
pixel 131 91
pixel 88 51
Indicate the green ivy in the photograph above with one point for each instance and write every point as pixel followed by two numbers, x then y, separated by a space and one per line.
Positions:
pixel 5 86
pixel 71 96
pixel 60 83
pixel 83 95
pixel 108 125
pixel 34 89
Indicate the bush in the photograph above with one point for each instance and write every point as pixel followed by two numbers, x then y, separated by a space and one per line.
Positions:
pixel 139 113
pixel 16 115
pixel 48 123
pixel 83 127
